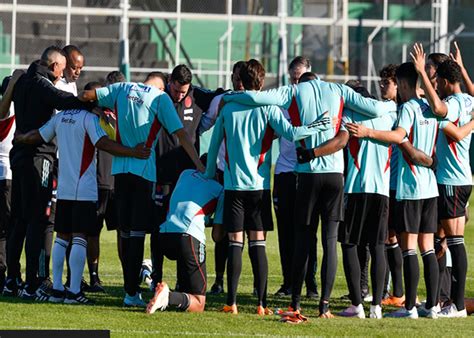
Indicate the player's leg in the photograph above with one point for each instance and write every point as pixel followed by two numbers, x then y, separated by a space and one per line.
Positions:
pixel 411 268
pixel 40 196
pixel 284 190
pixel 5 218
pixel 454 227
pixel 220 256
pixel 350 262
pixel 364 258
pixel 305 201
pixel 258 257
pixel 331 201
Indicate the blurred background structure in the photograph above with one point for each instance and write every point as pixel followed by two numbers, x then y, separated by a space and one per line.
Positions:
pixel 343 39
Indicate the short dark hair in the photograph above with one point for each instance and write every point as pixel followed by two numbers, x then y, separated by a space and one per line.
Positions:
pixel 298 62
pixel 160 75
pixel 69 49
pixel 48 53
pixel 308 76
pixel 407 71
pixel 359 88
pixel 438 58
pixel 450 71
pixel 114 77
pixel 237 65
pixel 182 74
pixel 388 72
pixel 92 85
pixel 252 74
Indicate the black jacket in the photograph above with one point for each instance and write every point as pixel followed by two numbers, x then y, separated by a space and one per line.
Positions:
pixel 171 159
pixel 35 98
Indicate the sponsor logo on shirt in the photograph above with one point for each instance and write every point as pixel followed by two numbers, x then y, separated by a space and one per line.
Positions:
pixel 68 120
pixel 144 89
pixel 135 99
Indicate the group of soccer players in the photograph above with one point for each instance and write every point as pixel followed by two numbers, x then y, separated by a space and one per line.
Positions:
pixel 382 176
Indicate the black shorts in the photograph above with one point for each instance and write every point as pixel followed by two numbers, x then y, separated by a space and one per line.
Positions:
pixel 248 210
pixel 418 216
pixel 393 213
pixel 190 255
pixel 133 197
pixel 365 219
pixel 75 216
pixel 161 199
pixel 319 195
pixel 106 212
pixel 31 190
pixel 452 200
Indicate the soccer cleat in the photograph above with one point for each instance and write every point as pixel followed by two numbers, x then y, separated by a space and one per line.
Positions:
pixel 160 299
pixel 95 287
pixel 264 311
pixel 428 313
pixel 57 296
pixel 312 294
pixel 324 310
pixel 283 291
pixel 394 301
pixel 375 312
pixel 326 315
pixel 27 294
pixel 403 313
pixel 216 289
pixel 42 295
pixel 46 284
pixel 77 298
pixel 289 312
pixel 230 309
pixel 12 287
pixel 296 318
pixel 451 311
pixel 353 312
pixel 134 301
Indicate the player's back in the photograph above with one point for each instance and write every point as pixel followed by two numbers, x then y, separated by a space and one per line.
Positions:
pixel 416 181
pixel 314 98
pixel 193 198
pixel 77 159
pixel 248 137
pixel 369 160
pixel 454 165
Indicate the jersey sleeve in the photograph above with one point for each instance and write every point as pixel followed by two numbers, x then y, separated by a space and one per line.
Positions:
pixel 454 110
pixel 93 129
pixel 281 97
pixel 346 118
pixel 282 127
pixel 364 105
pixel 214 145
pixel 406 118
pixel 107 96
pixel 48 130
pixel 209 118
pixel 166 113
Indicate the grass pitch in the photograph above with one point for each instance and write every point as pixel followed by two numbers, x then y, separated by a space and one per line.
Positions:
pixel 109 314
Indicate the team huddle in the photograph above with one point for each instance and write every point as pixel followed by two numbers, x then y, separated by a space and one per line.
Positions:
pixel 382 177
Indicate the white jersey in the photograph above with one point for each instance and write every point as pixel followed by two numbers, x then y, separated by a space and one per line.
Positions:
pixel 69 87
pixel 7 129
pixel 76 132
pixel 286 161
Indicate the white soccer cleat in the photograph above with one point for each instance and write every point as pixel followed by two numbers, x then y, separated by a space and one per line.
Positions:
pixel 160 299
pixel 353 312
pixel 428 313
pixel 375 312
pixel 403 313
pixel 451 311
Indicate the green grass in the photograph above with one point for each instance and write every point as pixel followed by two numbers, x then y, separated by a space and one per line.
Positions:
pixel 109 314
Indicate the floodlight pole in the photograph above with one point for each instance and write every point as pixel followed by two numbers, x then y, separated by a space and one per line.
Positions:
pixel 124 43
pixel 283 57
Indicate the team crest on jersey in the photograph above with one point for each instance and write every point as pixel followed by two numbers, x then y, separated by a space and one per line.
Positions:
pixel 188 102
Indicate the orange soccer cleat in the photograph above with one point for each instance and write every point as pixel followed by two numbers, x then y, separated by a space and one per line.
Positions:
pixel 230 309
pixel 394 301
pixel 264 311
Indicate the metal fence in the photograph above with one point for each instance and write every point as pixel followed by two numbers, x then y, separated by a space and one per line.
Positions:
pixel 210 35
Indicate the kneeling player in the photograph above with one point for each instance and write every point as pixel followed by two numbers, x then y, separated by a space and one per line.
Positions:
pixel 182 238
pixel 77 133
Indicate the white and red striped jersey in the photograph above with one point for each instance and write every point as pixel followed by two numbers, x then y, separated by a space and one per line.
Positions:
pixel 7 129
pixel 76 132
